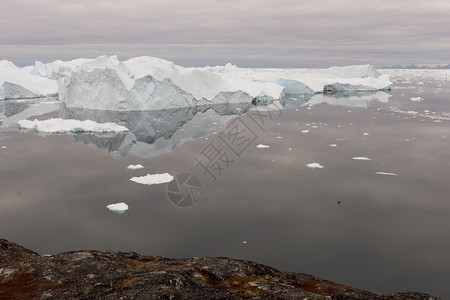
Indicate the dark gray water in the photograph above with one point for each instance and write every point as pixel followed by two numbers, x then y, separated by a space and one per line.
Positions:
pixel 343 222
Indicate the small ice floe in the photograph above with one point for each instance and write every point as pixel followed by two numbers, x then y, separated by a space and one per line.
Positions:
pixel 135 167
pixel 279 137
pixel 119 208
pixel 365 133
pixel 333 145
pixel 244 242
pixel 385 173
pixel 4 147
pixel 361 158
pixel 150 179
pixel 314 166
pixel 305 131
pixel 56 125
pixel 416 99
pixel 261 146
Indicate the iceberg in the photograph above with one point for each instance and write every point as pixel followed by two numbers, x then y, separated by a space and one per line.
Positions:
pixel 147 83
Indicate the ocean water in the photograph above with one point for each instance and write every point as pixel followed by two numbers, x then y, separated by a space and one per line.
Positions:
pixel 380 223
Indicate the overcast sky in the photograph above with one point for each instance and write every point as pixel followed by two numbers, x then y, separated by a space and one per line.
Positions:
pixel 275 33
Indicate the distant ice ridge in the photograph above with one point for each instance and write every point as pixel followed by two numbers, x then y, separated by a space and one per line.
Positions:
pixel 148 83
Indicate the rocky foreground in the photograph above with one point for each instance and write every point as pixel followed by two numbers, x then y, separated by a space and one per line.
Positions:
pixel 25 274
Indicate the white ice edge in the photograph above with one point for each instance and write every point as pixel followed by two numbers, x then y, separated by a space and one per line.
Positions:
pixel 261 146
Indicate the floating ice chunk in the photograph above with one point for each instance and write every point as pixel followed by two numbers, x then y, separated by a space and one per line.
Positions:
pixel 150 179
pixel 4 147
pixel 244 242
pixel 314 166
pixel 365 133
pixel 62 125
pixel 361 158
pixel 135 167
pixel 305 131
pixel 384 173
pixel 333 145
pixel 119 208
pixel 261 146
pixel 416 99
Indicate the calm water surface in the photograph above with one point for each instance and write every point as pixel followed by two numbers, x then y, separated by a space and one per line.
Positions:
pixel 343 222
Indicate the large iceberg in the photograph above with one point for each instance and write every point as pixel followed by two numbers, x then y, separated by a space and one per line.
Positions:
pixel 148 83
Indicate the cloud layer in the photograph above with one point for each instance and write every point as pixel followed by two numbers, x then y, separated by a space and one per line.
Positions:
pixel 207 31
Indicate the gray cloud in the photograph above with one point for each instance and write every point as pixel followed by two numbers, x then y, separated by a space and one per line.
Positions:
pixel 265 32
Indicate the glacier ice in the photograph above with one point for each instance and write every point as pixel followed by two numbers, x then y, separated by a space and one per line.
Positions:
pixel 148 83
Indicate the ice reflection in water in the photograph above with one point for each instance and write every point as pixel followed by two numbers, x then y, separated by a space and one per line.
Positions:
pixel 388 233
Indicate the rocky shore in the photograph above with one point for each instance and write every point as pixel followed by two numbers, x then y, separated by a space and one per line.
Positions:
pixel 24 274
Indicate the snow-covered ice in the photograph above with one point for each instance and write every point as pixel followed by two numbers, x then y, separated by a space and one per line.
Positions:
pixel 333 145
pixel 150 179
pixel 305 131
pixel 261 146
pixel 119 208
pixel 314 166
pixel 57 125
pixel 135 167
pixel 416 99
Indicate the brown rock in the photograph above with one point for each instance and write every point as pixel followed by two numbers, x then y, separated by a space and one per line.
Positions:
pixel 126 275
